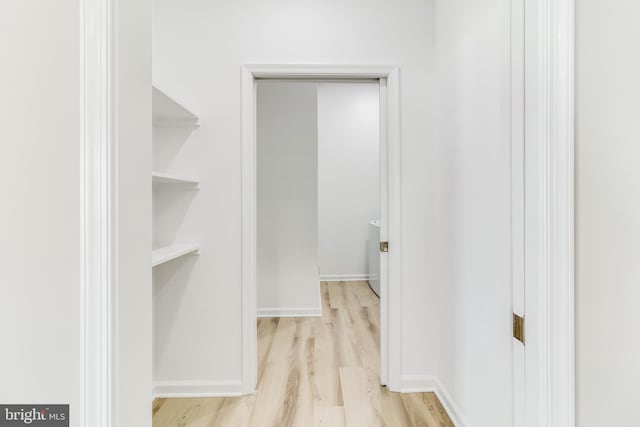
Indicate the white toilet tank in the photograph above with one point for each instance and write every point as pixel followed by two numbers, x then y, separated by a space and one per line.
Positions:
pixel 374 255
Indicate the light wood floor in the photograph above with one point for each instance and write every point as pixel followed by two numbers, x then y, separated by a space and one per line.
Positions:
pixel 315 372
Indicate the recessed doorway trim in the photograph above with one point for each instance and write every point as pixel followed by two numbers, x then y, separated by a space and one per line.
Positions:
pixel 391 303
pixel 98 369
pixel 549 213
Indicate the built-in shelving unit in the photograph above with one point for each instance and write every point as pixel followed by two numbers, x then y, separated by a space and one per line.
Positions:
pixel 169 113
pixel 168 253
pixel 159 179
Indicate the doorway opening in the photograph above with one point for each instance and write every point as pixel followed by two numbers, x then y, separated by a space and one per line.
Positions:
pixel 318 205
pixel 389 215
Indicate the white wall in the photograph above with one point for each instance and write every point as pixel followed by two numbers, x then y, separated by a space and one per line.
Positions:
pixel 199 47
pixel 40 218
pixel 287 208
pixel 607 213
pixel 348 176
pixel 471 62
pixel 133 216
pixel 40 161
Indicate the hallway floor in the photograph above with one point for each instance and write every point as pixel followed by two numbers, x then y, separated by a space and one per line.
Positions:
pixel 315 372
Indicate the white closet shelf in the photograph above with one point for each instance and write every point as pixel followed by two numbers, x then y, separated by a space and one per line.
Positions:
pixel 159 178
pixel 167 112
pixel 167 253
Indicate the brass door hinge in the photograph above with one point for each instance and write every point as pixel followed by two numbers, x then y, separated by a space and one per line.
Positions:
pixel 384 246
pixel 518 328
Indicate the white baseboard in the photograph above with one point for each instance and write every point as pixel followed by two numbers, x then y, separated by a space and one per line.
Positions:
pixel 426 383
pixel 197 389
pixel 290 312
pixel 418 384
pixel 343 277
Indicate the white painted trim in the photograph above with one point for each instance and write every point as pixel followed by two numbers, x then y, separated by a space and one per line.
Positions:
pixel 549 228
pixel 290 312
pixel 560 207
pixel 320 72
pixel 391 294
pixel 98 368
pixel 343 277
pixel 249 234
pixel 392 316
pixel 431 384
pixel 383 235
pixel 195 389
pixel 418 384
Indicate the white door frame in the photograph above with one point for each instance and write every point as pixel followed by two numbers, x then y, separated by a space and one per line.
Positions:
pixel 549 366
pixel 391 302
pixel 98 176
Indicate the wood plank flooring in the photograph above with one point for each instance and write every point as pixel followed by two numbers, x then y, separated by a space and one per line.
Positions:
pixel 315 372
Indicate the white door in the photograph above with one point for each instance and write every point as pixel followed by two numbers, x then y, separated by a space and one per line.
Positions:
pixel 384 236
pixel 517 136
